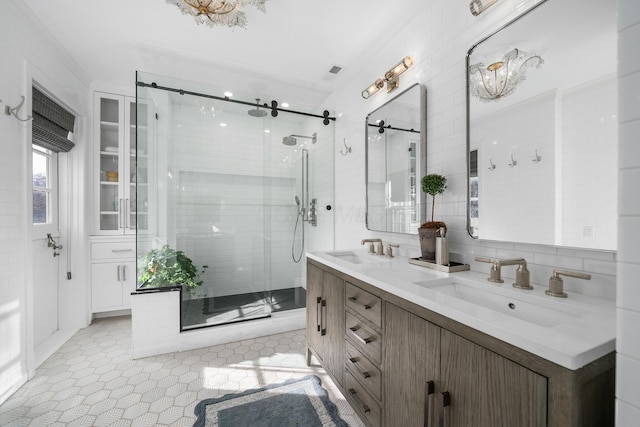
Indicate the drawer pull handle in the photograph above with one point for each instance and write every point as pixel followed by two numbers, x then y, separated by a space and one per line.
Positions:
pixel 366 375
pixel 116 251
pixel 364 340
pixel 366 306
pixel 364 407
pixel 353 360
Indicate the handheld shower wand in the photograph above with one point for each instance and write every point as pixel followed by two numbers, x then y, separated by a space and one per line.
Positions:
pixel 295 230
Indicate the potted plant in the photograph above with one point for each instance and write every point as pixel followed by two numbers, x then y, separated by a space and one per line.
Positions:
pixel 432 184
pixel 168 267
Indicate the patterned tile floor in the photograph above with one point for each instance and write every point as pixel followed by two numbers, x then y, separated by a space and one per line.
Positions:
pixel 92 380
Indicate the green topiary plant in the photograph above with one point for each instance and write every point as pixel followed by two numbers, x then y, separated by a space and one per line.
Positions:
pixel 167 267
pixel 433 184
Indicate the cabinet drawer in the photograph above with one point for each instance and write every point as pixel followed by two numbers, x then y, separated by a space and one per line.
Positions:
pixel 365 304
pixel 363 338
pixel 115 250
pixel 367 374
pixel 362 401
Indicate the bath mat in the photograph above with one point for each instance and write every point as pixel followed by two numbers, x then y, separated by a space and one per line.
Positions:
pixel 298 402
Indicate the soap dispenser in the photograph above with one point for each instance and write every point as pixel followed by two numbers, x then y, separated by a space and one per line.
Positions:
pixel 442 247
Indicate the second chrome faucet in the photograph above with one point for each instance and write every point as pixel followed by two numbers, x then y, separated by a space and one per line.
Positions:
pixel 522 273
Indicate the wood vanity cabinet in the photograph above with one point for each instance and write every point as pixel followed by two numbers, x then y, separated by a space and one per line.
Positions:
pixel 424 362
pixel 415 367
pixel 325 320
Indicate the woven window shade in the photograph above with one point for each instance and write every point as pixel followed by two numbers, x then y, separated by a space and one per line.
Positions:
pixel 52 124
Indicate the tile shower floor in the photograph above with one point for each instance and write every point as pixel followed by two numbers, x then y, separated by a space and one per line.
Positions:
pixel 92 380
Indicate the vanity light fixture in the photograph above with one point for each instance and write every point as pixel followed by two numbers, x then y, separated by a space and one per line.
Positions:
pixel 373 88
pixel 391 77
pixel 226 13
pixel 479 6
pixel 500 78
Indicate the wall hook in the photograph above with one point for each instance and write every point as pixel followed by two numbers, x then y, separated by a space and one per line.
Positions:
pixel 537 157
pixel 513 162
pixel 15 110
pixel 347 149
pixel 491 165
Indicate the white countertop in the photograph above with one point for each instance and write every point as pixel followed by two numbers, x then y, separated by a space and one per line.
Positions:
pixel 586 333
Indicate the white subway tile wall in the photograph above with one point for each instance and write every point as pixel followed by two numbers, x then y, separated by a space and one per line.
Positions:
pixel 628 301
pixel 438 37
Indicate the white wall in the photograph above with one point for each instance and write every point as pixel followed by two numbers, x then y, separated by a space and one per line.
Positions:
pixel 438 37
pixel 628 344
pixel 29 53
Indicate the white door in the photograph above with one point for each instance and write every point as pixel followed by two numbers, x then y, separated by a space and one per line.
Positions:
pixel 46 246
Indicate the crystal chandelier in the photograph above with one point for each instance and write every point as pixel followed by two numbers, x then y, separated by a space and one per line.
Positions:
pixel 218 12
pixel 499 79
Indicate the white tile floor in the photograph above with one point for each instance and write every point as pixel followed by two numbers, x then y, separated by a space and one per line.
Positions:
pixel 92 380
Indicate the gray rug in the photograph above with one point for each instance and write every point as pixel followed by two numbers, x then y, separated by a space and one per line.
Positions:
pixel 299 402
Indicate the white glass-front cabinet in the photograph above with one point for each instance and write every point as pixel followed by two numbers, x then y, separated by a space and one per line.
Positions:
pixel 118 156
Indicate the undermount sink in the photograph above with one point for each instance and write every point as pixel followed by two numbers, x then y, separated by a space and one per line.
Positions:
pixel 533 310
pixel 356 258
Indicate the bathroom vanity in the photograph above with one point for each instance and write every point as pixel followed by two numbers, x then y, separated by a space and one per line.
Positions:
pixel 413 347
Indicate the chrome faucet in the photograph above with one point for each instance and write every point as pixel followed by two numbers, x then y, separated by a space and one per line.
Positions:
pixel 380 250
pixel 390 247
pixel 522 273
pixel 556 284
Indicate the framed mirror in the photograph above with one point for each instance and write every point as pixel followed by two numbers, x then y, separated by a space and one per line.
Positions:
pixel 542 128
pixel 396 154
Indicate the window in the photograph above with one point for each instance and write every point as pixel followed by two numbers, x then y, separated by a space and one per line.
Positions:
pixel 44 177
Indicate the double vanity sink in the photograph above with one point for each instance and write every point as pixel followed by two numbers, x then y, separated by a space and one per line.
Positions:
pixel 570 332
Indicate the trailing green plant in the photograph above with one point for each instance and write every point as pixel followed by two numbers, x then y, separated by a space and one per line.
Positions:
pixel 433 184
pixel 167 267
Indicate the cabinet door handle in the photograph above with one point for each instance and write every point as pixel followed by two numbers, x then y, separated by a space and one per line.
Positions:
pixel 355 329
pixel 318 313
pixel 366 306
pixel 124 273
pixel 323 319
pixel 428 389
pixel 127 213
pixel 119 272
pixel 359 402
pixel 446 401
pixel 120 214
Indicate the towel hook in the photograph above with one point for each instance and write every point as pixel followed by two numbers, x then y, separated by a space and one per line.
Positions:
pixel 537 157
pixel 15 110
pixel 513 162
pixel 347 149
pixel 492 166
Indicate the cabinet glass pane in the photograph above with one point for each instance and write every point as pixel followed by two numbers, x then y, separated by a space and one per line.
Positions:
pixel 109 164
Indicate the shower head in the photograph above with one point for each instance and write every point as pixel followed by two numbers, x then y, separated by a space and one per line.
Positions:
pixel 289 140
pixel 292 139
pixel 297 200
pixel 257 112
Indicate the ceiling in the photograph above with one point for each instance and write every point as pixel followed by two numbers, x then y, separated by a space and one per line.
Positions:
pixel 296 40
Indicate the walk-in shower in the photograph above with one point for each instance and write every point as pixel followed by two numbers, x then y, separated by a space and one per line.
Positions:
pixel 233 183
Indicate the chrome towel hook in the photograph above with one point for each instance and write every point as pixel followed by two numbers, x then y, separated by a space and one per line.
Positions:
pixel 15 110
pixel 347 149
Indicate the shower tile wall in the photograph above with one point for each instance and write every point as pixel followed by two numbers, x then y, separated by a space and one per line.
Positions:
pixel 222 206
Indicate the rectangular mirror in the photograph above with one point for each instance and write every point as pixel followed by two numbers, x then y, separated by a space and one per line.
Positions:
pixel 395 162
pixel 542 151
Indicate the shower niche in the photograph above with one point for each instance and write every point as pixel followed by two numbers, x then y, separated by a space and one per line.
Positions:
pixel 237 190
